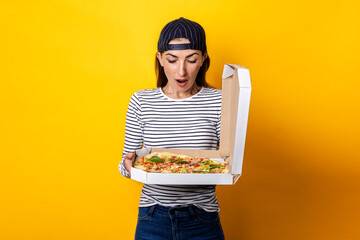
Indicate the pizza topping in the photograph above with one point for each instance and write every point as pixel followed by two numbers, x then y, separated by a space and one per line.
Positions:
pixel 215 166
pixel 206 161
pixel 156 159
pixel 181 162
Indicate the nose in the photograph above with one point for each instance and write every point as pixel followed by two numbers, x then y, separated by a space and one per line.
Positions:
pixel 182 69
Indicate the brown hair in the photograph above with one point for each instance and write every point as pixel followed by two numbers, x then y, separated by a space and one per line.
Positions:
pixel 200 78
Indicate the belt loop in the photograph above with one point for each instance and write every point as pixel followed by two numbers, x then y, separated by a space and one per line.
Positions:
pixel 193 213
pixel 151 210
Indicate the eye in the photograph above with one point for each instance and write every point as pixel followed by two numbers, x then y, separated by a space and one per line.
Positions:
pixel 171 61
pixel 192 61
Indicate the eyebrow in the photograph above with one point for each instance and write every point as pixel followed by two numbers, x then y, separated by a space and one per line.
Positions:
pixel 185 57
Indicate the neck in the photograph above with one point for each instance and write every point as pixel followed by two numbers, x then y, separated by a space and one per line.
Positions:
pixel 172 93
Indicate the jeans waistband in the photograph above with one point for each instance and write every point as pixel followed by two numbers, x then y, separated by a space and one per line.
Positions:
pixel 180 208
pixel 179 211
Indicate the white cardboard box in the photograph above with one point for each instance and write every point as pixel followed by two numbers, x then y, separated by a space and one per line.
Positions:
pixel 236 91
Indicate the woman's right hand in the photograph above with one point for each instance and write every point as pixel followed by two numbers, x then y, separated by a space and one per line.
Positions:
pixel 128 161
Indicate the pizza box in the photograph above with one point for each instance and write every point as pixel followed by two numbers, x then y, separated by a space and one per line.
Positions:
pixel 236 91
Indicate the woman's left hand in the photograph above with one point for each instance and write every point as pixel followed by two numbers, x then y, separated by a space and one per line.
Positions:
pixel 128 161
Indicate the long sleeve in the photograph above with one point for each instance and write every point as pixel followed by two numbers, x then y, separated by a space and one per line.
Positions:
pixel 133 131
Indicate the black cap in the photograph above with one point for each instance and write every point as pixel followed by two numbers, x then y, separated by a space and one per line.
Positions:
pixel 182 28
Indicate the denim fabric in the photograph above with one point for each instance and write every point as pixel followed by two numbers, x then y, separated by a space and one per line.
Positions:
pixel 177 223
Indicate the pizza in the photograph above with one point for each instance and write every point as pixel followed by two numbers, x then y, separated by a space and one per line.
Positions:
pixel 165 162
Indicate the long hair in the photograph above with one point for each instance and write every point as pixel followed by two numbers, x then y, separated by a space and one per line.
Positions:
pixel 200 78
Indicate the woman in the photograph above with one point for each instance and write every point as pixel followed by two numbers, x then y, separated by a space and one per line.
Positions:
pixel 183 112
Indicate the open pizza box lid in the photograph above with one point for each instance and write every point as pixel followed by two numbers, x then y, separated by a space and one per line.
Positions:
pixel 236 91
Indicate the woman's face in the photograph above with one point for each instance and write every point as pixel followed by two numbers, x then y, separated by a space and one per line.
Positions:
pixel 181 66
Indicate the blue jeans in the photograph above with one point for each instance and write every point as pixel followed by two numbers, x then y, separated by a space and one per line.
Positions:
pixel 177 223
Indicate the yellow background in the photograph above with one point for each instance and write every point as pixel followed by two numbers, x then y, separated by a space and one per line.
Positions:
pixel 68 69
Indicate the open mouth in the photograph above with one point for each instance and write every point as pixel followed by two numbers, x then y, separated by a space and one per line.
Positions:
pixel 181 83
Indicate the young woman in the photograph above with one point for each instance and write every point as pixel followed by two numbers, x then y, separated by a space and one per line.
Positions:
pixel 182 112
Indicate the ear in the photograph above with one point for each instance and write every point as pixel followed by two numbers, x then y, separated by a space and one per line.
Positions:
pixel 158 55
pixel 203 58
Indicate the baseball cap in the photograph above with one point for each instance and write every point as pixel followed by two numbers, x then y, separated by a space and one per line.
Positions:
pixel 182 28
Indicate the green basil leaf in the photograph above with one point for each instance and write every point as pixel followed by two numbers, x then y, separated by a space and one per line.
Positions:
pixel 215 166
pixel 156 159
pixel 181 162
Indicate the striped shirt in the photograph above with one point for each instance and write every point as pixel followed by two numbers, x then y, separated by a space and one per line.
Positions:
pixel 155 120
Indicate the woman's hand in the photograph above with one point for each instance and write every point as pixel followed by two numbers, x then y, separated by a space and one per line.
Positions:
pixel 128 161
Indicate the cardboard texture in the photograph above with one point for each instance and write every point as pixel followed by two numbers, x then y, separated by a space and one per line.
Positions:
pixel 236 92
